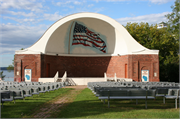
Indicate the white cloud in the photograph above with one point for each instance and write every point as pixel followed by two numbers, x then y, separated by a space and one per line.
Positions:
pixel 160 1
pixel 15 37
pixel 12 18
pixel 91 5
pixel 99 9
pixel 151 18
pixel 33 20
pixel 68 2
pixel 152 1
pixel 111 0
pixel 62 3
pixel 21 4
pixel 70 6
pixel 59 3
pixel 30 20
pixel 9 50
pixel 77 3
pixel 52 17
pixel 31 14
pixel 116 0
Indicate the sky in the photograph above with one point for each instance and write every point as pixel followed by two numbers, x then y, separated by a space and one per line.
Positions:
pixel 23 22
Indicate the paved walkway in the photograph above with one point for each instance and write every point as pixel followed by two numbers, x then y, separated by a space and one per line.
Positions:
pixel 54 106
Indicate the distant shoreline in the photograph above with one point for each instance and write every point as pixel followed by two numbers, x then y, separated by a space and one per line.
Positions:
pixel 4 68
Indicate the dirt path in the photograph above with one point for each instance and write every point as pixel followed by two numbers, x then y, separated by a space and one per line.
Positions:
pixel 53 106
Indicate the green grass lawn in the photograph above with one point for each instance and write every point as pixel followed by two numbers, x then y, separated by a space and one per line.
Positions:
pixel 24 108
pixel 86 105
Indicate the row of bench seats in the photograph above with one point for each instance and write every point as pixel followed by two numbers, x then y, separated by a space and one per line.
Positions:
pixel 12 91
pixel 113 90
pixel 136 84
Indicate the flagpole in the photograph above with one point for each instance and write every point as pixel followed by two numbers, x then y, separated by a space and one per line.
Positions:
pixel 70 38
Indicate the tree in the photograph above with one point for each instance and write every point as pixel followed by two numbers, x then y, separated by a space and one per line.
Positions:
pixel 153 38
pixel 173 19
pixel 11 66
pixel 1 75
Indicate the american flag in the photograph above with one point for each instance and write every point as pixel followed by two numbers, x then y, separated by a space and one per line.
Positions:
pixel 82 35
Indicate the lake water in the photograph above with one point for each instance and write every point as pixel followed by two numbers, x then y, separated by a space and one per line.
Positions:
pixel 9 75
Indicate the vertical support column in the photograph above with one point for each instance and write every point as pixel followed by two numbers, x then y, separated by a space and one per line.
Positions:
pixel 164 100
pixel 146 100
pixel 105 76
pixel 108 98
pixel 115 78
pixel 136 101
pixel 146 104
pixel 21 70
pixel 126 71
pixel 176 103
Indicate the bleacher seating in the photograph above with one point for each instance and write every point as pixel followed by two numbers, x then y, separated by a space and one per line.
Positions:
pixel 135 90
pixel 11 91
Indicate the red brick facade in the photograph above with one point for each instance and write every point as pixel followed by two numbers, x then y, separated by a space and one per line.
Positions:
pixel 29 61
pixel 47 66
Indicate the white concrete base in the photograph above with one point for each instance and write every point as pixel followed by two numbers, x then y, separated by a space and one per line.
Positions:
pixel 77 81
pixel 44 80
pixel 124 80
pixel 84 81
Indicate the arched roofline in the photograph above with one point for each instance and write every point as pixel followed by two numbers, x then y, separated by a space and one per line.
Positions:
pixel 40 45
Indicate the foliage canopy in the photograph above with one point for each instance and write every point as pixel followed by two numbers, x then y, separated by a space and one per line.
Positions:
pixel 2 75
pixel 162 40
pixel 173 19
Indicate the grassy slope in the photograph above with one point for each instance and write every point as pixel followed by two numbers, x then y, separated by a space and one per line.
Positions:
pixel 24 108
pixel 86 105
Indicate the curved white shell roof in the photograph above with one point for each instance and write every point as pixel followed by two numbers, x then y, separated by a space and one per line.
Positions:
pixel 59 37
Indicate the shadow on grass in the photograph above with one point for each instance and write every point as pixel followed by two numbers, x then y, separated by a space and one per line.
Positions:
pixel 87 105
pixel 30 104
pixel 87 108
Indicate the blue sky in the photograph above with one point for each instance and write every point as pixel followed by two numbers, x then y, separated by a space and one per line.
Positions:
pixel 23 22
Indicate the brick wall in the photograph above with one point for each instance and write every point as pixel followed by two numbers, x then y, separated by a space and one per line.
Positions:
pixel 144 62
pixel 75 66
pixel 29 61
pixel 47 66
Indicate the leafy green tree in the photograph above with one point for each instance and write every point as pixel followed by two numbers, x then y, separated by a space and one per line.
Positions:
pixel 1 75
pixel 11 67
pixel 173 19
pixel 162 40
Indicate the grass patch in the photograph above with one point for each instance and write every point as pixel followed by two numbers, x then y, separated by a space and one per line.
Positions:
pixel 87 105
pixel 70 97
pixel 25 108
